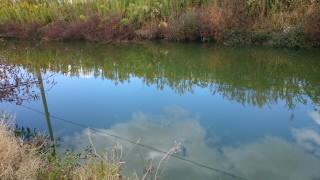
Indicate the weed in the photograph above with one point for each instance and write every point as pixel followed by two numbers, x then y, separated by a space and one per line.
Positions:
pixel 17 161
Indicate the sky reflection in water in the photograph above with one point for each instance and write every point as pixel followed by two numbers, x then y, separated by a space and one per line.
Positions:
pixel 248 111
pixel 269 157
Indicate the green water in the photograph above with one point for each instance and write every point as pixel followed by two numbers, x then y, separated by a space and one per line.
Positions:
pixel 247 111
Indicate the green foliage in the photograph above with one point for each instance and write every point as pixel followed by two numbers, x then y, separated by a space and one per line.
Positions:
pixel 138 14
pixel 189 24
pixel 237 36
pixel 59 166
pixel 25 133
pixel 263 8
pixel 261 37
pixel 177 65
pixel 291 37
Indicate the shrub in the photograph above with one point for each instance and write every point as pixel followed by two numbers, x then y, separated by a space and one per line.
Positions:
pixel 261 37
pixel 237 36
pixel 217 21
pixel 312 22
pixel 28 31
pixel 139 14
pixel 95 28
pixel 184 26
pixel 62 30
pixel 290 37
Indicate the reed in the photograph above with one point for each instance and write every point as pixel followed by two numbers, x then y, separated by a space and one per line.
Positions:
pixel 26 11
pixel 16 161
pixel 21 159
pixel 46 11
pixel 153 19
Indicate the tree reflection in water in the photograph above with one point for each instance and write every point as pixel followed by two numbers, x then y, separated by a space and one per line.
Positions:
pixel 18 85
pixel 250 76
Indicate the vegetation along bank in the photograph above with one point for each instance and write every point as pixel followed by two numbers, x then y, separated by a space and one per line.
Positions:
pixel 25 154
pixel 289 23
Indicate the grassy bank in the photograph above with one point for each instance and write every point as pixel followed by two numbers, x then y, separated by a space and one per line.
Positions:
pixel 33 159
pixel 291 23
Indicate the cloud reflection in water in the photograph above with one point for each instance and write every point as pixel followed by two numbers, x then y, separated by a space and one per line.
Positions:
pixel 315 116
pixel 266 158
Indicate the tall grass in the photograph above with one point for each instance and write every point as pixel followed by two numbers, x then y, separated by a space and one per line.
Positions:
pixel 48 10
pixel 45 11
pixel 278 14
pixel 16 162
pixel 30 160
pixel 154 19
pixel 266 7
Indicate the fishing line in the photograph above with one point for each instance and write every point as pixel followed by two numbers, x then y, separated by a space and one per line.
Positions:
pixel 137 143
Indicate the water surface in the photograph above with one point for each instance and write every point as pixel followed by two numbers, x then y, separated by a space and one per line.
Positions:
pixel 248 111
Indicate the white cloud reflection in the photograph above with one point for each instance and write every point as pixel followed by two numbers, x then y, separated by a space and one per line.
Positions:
pixel 315 116
pixel 267 158
pixel 308 139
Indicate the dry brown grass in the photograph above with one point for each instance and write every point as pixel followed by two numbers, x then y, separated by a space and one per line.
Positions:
pixel 27 160
pixel 106 166
pixel 279 21
pixel 216 21
pixel 290 14
pixel 17 160
pixel 312 21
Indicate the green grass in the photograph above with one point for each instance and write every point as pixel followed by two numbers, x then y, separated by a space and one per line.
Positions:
pixel 45 11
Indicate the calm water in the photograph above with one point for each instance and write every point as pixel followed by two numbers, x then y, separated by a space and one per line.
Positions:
pixel 252 112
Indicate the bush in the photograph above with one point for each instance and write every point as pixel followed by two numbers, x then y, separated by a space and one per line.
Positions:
pixel 29 31
pixel 183 27
pixel 291 37
pixel 216 21
pixel 261 38
pixel 312 22
pixel 237 36
pixel 93 28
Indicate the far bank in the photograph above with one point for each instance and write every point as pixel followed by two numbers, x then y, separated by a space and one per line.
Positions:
pixel 270 23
